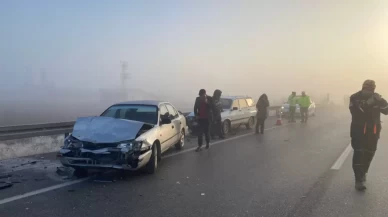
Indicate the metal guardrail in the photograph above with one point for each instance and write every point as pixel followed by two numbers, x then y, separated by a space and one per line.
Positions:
pixel 33 130
pixel 47 129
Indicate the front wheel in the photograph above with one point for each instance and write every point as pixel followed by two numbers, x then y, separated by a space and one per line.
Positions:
pixel 152 164
pixel 226 127
pixel 251 123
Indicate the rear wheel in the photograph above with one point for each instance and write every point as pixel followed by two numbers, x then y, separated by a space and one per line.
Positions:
pixel 226 127
pixel 181 141
pixel 152 164
pixel 251 123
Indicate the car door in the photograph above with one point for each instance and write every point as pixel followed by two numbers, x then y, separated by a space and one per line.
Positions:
pixel 251 108
pixel 244 113
pixel 166 130
pixel 235 113
pixel 176 123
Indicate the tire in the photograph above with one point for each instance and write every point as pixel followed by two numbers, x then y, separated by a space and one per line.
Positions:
pixel 80 172
pixel 152 164
pixel 226 127
pixel 251 123
pixel 181 142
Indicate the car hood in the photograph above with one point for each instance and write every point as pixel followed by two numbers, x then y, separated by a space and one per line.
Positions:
pixel 105 129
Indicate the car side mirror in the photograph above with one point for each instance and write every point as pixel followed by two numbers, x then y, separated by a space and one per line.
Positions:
pixel 234 109
pixel 165 121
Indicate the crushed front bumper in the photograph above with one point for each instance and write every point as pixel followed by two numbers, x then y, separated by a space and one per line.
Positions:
pixel 113 158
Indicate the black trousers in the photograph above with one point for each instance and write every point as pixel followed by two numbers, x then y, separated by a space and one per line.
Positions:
pixel 304 113
pixel 292 113
pixel 364 150
pixel 216 128
pixel 260 125
pixel 203 129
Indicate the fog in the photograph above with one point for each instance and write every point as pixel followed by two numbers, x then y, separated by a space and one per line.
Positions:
pixel 62 60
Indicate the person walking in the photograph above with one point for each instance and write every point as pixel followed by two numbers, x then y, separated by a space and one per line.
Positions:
pixel 262 113
pixel 365 107
pixel 202 112
pixel 292 107
pixel 216 128
pixel 304 104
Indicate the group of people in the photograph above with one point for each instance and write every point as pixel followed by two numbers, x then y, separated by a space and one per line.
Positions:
pixel 207 111
pixel 304 104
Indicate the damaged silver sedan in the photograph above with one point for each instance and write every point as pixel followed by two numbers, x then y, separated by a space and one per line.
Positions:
pixel 127 136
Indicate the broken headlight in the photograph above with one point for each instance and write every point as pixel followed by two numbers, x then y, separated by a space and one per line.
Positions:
pixel 71 143
pixel 134 146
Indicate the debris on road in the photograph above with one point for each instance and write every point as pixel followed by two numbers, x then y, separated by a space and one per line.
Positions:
pixel 5 185
pixel 5 176
pixel 178 183
pixel 65 172
pixel 202 194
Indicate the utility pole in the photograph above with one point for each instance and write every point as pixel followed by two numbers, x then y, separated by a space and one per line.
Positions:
pixel 124 76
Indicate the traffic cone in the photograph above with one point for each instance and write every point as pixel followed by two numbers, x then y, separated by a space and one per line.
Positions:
pixel 279 120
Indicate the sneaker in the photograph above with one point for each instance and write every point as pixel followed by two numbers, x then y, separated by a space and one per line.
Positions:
pixel 207 146
pixel 360 186
pixel 198 149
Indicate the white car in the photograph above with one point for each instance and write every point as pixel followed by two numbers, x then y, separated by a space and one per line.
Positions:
pixel 127 136
pixel 285 109
pixel 237 111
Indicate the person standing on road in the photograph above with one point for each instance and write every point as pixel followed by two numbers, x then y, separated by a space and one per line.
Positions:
pixel 292 107
pixel 304 104
pixel 216 128
pixel 262 113
pixel 365 107
pixel 203 112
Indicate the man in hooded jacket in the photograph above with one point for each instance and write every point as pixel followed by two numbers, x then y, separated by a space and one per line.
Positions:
pixel 365 107
pixel 216 128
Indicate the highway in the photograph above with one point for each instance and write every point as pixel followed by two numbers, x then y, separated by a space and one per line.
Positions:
pixel 292 170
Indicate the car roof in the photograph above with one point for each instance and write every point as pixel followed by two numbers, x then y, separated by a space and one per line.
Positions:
pixel 236 97
pixel 142 102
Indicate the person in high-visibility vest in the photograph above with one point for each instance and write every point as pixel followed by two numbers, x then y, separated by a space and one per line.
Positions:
pixel 292 99
pixel 304 104
pixel 365 107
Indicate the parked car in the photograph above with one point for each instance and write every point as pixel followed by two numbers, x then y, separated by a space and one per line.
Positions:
pixel 127 136
pixel 285 109
pixel 237 111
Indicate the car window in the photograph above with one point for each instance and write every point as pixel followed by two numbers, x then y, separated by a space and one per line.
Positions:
pixel 141 113
pixel 250 102
pixel 243 103
pixel 226 103
pixel 235 104
pixel 163 112
pixel 172 111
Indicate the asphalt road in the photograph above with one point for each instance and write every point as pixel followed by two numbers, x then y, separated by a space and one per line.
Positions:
pixel 291 170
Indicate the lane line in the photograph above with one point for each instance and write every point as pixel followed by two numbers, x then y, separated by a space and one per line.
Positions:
pixel 40 191
pixel 217 142
pixel 338 164
pixel 54 187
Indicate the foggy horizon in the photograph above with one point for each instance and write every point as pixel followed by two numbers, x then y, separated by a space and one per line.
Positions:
pixel 175 48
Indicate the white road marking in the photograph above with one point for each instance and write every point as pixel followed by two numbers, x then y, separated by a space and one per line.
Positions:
pixel 217 142
pixel 338 164
pixel 40 191
pixel 54 187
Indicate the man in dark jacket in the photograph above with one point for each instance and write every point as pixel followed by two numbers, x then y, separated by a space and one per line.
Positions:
pixel 217 110
pixel 262 113
pixel 203 113
pixel 365 107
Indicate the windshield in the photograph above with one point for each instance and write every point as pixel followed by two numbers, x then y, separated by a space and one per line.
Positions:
pixel 226 103
pixel 142 113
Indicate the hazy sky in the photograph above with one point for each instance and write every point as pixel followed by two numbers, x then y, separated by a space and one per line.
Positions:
pixel 238 46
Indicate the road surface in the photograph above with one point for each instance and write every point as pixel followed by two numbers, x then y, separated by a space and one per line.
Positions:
pixel 292 170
